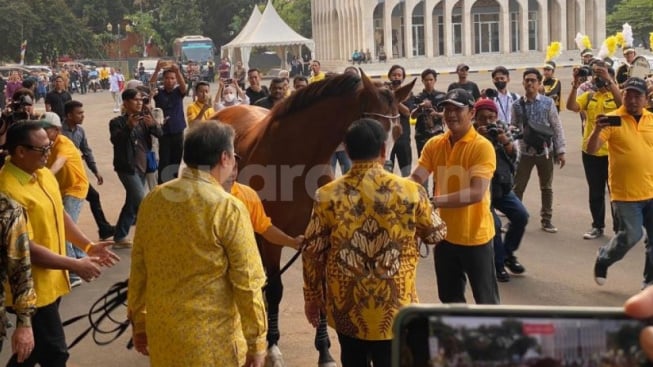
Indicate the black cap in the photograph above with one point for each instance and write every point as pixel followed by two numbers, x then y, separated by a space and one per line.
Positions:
pixel 637 84
pixel 458 97
pixel 462 66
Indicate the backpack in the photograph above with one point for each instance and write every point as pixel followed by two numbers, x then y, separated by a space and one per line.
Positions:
pixel 537 136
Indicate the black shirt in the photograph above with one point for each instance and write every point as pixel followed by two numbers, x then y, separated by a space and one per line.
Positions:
pixel 57 100
pixel 255 96
pixel 469 86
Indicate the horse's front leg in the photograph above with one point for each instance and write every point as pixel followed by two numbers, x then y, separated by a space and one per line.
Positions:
pixel 273 291
pixel 322 344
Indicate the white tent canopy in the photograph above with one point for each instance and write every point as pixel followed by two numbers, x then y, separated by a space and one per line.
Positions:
pixel 266 30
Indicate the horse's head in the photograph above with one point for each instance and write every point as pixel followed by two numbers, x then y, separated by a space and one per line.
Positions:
pixel 380 102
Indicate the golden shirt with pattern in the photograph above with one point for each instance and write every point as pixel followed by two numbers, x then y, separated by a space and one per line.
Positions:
pixel 361 244
pixel 16 274
pixel 39 195
pixel 196 268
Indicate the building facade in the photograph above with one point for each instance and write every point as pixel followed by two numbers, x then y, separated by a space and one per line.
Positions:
pixel 431 28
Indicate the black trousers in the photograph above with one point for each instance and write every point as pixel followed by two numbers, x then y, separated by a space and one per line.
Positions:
pixel 455 263
pixel 50 349
pixel 401 150
pixel 93 198
pixel 596 174
pixel 171 147
pixel 361 353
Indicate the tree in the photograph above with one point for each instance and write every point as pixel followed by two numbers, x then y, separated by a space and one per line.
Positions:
pixel 297 14
pixel 637 13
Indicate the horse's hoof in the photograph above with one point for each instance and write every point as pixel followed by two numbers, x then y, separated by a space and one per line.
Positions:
pixel 274 357
pixel 328 364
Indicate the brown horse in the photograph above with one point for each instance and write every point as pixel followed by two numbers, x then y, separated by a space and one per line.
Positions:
pixel 285 154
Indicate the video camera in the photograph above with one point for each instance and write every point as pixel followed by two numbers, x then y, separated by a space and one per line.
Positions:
pixel 493 131
pixel 584 71
pixel 16 110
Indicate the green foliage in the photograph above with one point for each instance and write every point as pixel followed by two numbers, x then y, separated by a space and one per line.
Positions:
pixel 297 14
pixel 637 13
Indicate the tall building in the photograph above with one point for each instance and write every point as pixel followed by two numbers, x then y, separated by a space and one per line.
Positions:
pixel 429 28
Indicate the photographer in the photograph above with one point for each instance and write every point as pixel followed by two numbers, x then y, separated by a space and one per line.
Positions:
pixel 20 108
pixel 131 135
pixel 606 98
pixel 503 198
pixel 429 119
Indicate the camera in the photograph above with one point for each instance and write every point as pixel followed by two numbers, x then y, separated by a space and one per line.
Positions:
pixel 584 71
pixel 491 93
pixel 492 130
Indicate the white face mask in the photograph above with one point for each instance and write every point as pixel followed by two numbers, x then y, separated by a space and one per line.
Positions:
pixel 229 98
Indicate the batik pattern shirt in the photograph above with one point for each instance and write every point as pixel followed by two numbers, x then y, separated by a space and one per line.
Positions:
pixel 16 274
pixel 362 252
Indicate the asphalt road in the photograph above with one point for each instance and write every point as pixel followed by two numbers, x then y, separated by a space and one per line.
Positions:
pixel 559 266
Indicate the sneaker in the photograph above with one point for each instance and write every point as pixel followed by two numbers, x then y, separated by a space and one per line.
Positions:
pixel 593 233
pixel 75 282
pixel 600 272
pixel 107 232
pixel 547 226
pixel 124 243
pixel 502 275
pixel 514 266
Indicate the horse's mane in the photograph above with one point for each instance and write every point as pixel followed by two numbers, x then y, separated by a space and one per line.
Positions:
pixel 333 86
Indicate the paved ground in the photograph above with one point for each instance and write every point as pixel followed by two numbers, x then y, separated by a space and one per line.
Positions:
pixel 559 266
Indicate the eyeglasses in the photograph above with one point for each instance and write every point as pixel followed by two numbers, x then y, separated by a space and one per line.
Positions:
pixel 43 150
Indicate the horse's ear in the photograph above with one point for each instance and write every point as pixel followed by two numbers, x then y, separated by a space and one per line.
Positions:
pixel 402 93
pixel 367 82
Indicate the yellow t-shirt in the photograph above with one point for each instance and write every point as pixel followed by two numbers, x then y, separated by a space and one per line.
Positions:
pixel 629 148
pixel 71 177
pixel 260 221
pixel 453 168
pixel 599 104
pixel 317 78
pixel 193 110
pixel 39 195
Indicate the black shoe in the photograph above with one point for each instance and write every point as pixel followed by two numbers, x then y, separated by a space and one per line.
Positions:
pixel 600 273
pixel 502 275
pixel 108 232
pixel 514 266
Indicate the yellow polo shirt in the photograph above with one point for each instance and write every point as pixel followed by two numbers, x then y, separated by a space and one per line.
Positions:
pixel 629 148
pixel 39 195
pixel 71 177
pixel 260 221
pixel 317 78
pixel 453 168
pixel 193 110
pixel 600 103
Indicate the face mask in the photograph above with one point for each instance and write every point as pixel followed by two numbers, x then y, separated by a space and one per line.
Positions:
pixel 229 98
pixel 396 83
pixel 500 85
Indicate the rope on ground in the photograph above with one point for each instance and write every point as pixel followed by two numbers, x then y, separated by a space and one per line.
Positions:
pixel 101 320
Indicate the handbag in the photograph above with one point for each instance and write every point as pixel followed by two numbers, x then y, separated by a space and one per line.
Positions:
pixel 152 165
pixel 536 135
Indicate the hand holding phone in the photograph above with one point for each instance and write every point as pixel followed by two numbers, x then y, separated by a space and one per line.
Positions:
pixel 613 120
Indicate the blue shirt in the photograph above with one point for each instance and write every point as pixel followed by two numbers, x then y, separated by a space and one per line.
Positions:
pixel 172 104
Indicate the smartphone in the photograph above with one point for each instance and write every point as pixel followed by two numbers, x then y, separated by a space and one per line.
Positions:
pixel 613 120
pixel 475 335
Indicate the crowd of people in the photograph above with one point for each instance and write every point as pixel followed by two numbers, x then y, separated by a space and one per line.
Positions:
pixel 201 303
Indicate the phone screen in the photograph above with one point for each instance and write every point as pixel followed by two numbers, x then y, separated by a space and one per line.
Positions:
pixel 542 339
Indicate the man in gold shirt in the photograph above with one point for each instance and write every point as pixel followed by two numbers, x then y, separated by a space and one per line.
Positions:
pixel 361 250
pixel 462 162
pixel 65 162
pixel 35 188
pixel 201 109
pixel 630 177
pixel 195 265
pixel 318 74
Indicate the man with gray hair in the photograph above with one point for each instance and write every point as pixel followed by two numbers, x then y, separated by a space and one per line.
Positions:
pixel 215 274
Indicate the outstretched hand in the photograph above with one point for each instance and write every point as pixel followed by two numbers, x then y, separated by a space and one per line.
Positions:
pixel 104 256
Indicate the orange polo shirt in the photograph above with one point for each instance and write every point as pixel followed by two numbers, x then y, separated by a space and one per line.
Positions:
pixel 453 167
pixel 260 221
pixel 71 177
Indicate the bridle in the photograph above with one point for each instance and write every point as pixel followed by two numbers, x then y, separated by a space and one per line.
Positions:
pixel 394 119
